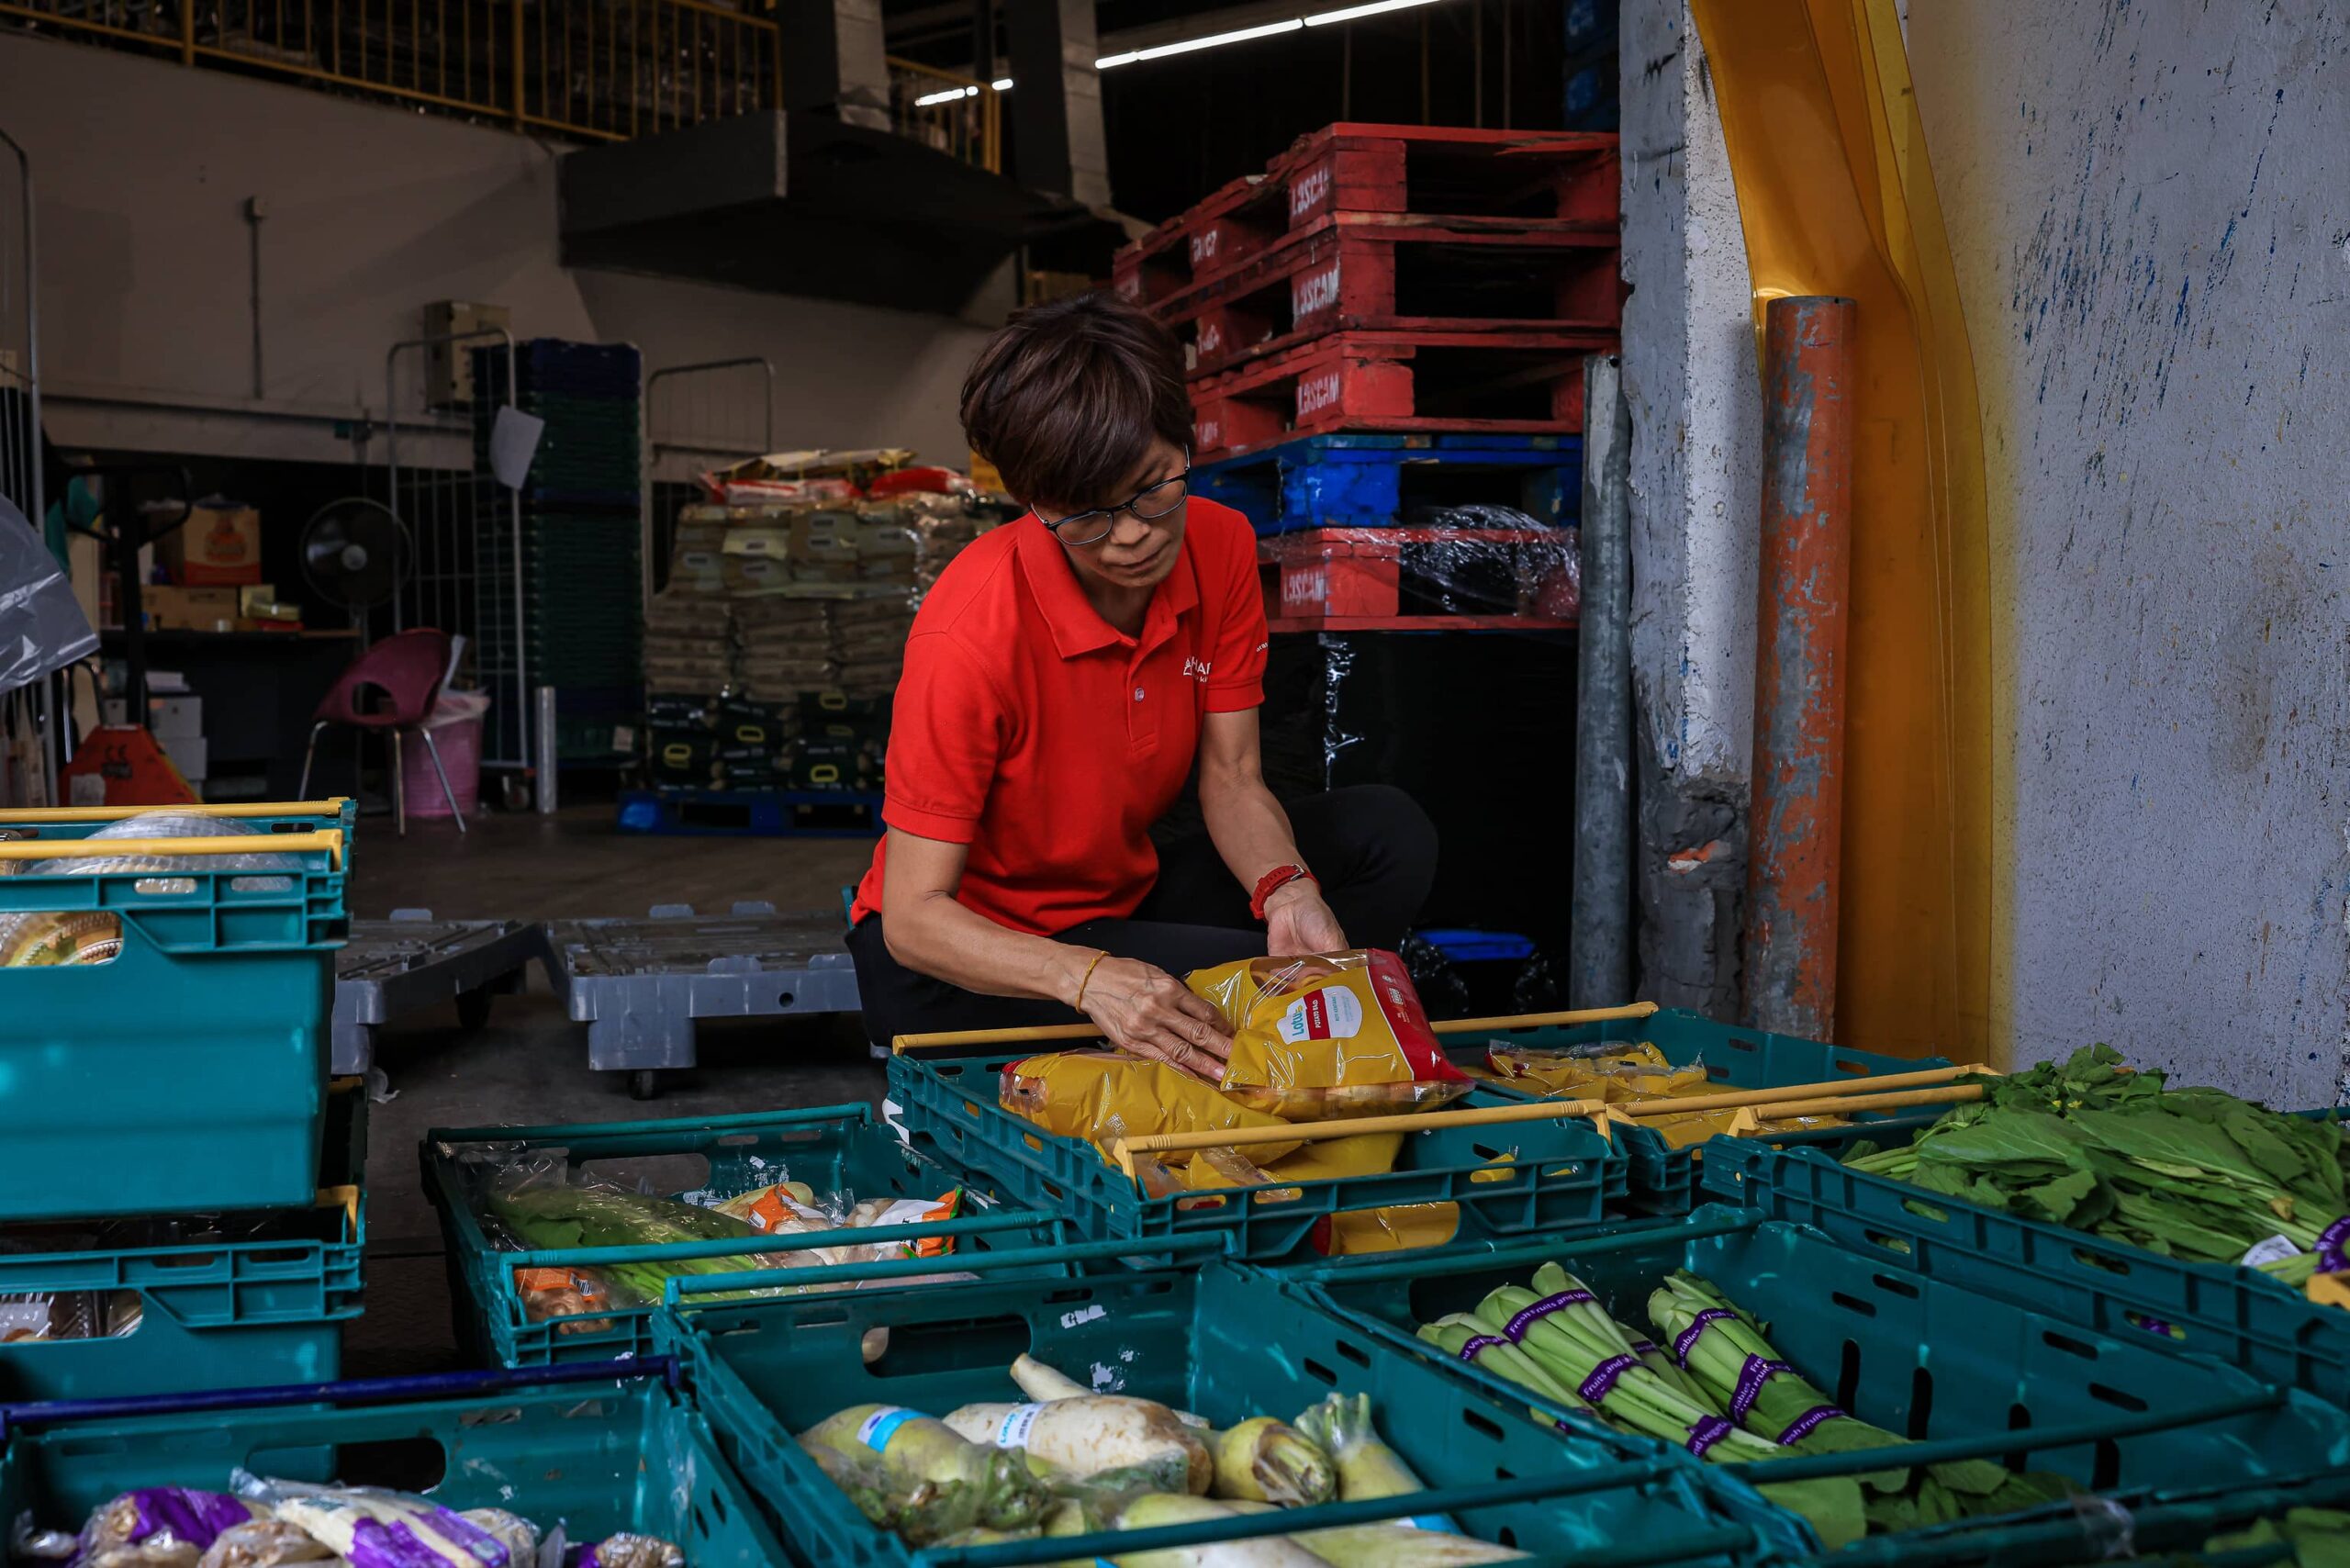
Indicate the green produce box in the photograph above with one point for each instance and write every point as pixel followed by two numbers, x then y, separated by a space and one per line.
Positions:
pixel 1222 1342
pixel 176 1303
pixel 595 1449
pixel 1506 1180
pixel 1664 1179
pixel 187 1074
pixel 2240 1316
pixel 1967 1374
pixel 840 1151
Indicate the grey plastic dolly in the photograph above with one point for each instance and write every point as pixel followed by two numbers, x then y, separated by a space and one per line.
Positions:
pixel 391 968
pixel 641 985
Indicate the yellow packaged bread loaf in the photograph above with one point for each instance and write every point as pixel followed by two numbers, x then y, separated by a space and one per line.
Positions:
pixel 1327 1036
pixel 1615 1074
pixel 1101 1096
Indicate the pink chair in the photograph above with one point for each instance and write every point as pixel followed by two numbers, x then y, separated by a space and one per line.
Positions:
pixel 405 667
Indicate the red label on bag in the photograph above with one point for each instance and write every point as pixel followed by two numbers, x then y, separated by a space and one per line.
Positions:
pixel 1390 985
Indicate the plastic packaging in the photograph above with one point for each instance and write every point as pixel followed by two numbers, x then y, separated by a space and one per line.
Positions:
pixel 264 1543
pixel 627 1550
pixel 1615 1073
pixel 68 1314
pixel 1331 1035
pixel 160 1527
pixel 369 1528
pixel 42 628
pixel 1103 1096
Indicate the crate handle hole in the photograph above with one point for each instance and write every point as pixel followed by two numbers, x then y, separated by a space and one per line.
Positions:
pixel 1353 1353
pixel 205 1260
pixel 2154 1326
pixel 274 1255
pixel 1505 1537
pixel 2107 1472
pixel 2100 1261
pixel 403 1465
pixel 1853 1303
pixel 947 1069
pixel 1316 1369
pixel 1891 1243
pixel 1744 1043
pixel 1892 1286
pixel 1482 1425
pixel 783 999
pixel 718 1507
pixel 1485 1175
pixel 1033 1141
pixel 1189 1206
pixel 1276 1194
pixel 1856 1069
pixel 2080 1347
pixel 702 1526
pixel 1926 1211
pixel 2120 1398
pixel 1921 1403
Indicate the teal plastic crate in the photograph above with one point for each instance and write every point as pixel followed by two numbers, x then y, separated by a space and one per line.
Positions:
pixel 1222 1341
pixel 833 1148
pixel 2242 1317
pixel 186 1075
pixel 596 1449
pixel 1663 1179
pixel 1563 1175
pixel 1967 1373
pixel 237 1301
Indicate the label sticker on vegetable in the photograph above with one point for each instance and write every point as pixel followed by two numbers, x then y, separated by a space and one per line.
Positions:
pixel 2276 1249
pixel 1514 1329
pixel 1333 1013
pixel 1686 1340
pixel 1437 1524
pixel 1707 1433
pixel 1478 1343
pixel 1603 1376
pixel 2330 1243
pixel 1806 1424
pixel 1751 1379
pixel 876 1430
pixel 1012 1433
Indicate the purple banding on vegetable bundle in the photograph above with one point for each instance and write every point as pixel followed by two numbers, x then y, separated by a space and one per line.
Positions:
pixel 196 1518
pixel 1603 1377
pixel 1806 1424
pixel 374 1544
pixel 1642 1347
pixel 1514 1329
pixel 1480 1342
pixel 1751 1379
pixel 1707 1433
pixel 1686 1340
pixel 2330 1243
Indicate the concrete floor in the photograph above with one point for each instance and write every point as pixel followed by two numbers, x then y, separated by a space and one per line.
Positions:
pixel 529 1064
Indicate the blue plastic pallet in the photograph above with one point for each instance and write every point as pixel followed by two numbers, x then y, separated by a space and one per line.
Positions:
pixel 753 813
pixel 1356 481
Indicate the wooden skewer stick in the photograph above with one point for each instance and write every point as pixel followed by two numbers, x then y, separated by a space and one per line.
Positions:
pixel 1448 1027
pixel 1859 1094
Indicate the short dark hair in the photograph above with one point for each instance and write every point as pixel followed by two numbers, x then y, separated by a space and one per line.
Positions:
pixel 1066 398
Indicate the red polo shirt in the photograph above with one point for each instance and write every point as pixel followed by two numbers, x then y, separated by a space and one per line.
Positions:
pixel 1030 729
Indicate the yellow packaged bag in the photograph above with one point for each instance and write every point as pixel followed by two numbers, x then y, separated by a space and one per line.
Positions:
pixel 1101 1096
pixel 1332 1035
pixel 1631 1072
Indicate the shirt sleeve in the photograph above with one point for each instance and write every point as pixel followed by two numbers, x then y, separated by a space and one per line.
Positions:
pixel 1236 681
pixel 946 734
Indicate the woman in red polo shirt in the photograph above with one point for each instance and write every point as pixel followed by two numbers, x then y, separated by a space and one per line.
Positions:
pixel 1062 681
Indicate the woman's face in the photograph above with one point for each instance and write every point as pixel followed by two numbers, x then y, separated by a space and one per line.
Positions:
pixel 1136 551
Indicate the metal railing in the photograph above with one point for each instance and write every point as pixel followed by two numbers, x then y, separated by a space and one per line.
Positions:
pixel 963 119
pixel 607 69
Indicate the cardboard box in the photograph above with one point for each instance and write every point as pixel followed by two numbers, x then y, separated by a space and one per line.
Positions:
pixel 216 546
pixel 175 718
pixel 172 608
pixel 190 753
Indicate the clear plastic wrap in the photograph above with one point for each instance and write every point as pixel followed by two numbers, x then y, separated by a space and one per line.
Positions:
pixel 42 628
pixel 160 1527
pixel 54 1317
pixel 32 938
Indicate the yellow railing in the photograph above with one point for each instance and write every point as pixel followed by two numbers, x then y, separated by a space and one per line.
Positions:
pixel 600 69
pixel 963 119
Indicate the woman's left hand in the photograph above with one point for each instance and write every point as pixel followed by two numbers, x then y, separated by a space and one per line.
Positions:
pixel 1298 922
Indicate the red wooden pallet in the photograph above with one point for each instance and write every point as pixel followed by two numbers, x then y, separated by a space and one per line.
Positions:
pixel 1497 384
pixel 1402 273
pixel 1350 580
pixel 1435 171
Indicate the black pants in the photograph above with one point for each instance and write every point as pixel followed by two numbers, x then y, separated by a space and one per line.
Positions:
pixel 1372 848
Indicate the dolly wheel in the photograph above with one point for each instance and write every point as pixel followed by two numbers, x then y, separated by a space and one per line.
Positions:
pixel 473 1010
pixel 644 1083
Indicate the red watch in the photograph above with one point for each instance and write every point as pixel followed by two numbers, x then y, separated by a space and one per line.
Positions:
pixel 1272 881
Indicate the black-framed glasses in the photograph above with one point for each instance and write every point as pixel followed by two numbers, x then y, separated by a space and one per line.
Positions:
pixel 1150 503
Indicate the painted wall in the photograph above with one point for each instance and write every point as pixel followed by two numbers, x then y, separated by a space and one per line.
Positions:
pixel 2146 201
pixel 1690 378
pixel 144 170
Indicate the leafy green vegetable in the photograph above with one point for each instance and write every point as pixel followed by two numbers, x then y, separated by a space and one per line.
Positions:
pixel 2191 1173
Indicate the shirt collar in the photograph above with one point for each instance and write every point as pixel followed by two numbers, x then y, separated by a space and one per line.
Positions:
pixel 1077 627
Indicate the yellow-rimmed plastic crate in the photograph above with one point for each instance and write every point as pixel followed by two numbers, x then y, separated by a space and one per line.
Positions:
pixel 187 1068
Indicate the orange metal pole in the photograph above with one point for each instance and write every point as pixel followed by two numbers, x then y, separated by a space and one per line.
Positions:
pixel 1799 671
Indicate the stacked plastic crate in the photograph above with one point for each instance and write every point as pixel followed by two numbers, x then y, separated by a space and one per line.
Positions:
pixel 581 590
pixel 180 1204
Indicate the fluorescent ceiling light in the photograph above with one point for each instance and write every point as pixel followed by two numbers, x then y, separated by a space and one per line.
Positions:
pixel 1354 13
pixel 1001 83
pixel 1212 41
pixel 931 100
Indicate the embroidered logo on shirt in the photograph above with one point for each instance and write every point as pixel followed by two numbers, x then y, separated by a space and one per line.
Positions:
pixel 1195 665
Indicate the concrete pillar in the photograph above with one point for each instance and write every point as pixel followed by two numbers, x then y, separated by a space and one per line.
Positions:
pixel 833 60
pixel 1689 376
pixel 1056 113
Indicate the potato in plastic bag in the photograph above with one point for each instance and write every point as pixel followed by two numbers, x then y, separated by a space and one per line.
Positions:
pixel 1101 1096
pixel 1330 1035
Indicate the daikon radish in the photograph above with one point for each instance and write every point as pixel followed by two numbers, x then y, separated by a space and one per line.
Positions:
pixel 1154 1509
pixel 1429 1543
pixel 1045 1383
pixel 1100 1432
pixel 914 1449
pixel 1366 1468
pixel 1265 1461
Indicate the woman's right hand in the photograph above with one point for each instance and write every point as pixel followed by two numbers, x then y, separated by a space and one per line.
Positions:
pixel 1146 1011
